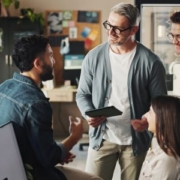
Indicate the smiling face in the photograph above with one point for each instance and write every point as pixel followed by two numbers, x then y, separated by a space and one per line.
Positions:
pixel 121 22
pixel 151 118
pixel 175 30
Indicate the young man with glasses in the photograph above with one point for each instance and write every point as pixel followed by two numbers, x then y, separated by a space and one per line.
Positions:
pixel 174 32
pixel 123 73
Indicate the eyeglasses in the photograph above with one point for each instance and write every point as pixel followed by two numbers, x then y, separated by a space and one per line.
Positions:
pixel 115 29
pixel 172 36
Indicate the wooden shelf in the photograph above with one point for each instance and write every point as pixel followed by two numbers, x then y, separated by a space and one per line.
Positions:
pixel 62 94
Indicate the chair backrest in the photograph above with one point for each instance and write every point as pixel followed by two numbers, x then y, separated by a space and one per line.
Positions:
pixel 11 165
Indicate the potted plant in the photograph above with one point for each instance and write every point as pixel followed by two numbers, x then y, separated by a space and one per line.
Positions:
pixel 33 17
pixel 7 3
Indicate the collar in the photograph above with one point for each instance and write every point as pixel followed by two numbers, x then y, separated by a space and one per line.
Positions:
pixel 27 81
pixel 24 79
pixel 155 148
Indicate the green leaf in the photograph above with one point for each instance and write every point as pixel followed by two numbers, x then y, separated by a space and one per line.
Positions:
pixel 29 175
pixel 7 3
pixel 16 4
pixel 42 22
pixel 28 167
pixel 29 13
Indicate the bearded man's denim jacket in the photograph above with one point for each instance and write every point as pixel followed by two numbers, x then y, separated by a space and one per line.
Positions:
pixel 23 103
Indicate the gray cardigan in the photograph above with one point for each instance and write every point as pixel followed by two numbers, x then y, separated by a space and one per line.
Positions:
pixel 146 80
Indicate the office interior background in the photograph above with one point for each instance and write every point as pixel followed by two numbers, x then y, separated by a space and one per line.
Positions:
pixel 63 99
pixel 152 33
pixel 44 5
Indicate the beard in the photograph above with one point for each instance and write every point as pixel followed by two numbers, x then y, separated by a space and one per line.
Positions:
pixel 47 73
pixel 115 42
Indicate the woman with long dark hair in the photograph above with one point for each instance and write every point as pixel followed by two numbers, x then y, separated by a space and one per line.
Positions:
pixel 162 161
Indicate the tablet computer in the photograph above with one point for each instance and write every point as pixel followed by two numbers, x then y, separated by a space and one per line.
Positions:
pixel 106 111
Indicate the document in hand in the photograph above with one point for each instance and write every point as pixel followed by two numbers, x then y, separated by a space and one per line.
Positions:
pixel 106 111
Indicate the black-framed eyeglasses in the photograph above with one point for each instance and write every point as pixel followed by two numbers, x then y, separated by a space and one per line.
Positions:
pixel 172 36
pixel 115 29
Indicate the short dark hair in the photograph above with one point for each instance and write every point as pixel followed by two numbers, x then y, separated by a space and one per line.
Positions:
pixel 27 49
pixel 167 110
pixel 175 17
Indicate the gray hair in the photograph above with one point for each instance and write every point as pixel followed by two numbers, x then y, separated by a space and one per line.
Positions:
pixel 129 11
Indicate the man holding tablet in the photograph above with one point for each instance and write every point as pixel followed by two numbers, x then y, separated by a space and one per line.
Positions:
pixel 125 74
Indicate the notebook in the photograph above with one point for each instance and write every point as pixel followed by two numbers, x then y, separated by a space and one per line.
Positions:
pixel 11 165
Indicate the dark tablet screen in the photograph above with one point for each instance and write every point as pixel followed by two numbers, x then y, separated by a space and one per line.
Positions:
pixel 106 111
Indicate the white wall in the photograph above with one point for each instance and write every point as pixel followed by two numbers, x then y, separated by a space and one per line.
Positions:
pixel 43 5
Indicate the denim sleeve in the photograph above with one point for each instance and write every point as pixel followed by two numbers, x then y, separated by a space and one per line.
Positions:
pixel 38 124
pixel 64 152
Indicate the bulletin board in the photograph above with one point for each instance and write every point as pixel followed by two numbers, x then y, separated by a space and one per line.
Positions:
pixel 73 26
pixel 77 25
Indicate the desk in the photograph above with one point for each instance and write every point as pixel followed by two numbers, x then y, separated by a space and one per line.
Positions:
pixel 63 103
pixel 62 94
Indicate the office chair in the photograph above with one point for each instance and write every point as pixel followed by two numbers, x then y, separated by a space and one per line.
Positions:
pixel 11 165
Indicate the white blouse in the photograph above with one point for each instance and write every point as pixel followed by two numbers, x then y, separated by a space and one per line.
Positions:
pixel 158 165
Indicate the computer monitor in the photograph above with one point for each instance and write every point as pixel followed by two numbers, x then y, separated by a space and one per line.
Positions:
pixel 73 61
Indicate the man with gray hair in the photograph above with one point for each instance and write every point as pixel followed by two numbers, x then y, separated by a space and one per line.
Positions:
pixel 123 73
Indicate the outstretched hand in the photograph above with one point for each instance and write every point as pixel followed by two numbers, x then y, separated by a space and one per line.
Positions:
pixel 139 125
pixel 76 131
pixel 76 127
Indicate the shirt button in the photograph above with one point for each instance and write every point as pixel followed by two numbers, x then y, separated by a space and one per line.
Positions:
pixel 106 98
pixel 147 161
pixel 96 147
pixel 102 131
pixel 109 81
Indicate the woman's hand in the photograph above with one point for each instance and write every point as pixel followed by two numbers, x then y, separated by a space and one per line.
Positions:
pixel 139 125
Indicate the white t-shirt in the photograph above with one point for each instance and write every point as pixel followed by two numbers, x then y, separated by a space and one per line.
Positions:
pixel 118 127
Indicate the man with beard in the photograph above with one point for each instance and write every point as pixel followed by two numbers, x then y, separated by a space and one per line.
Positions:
pixel 123 73
pixel 23 103
pixel 174 33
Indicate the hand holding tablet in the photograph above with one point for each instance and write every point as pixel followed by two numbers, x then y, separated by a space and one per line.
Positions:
pixel 106 111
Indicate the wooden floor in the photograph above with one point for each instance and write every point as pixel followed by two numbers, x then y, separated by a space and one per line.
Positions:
pixel 80 160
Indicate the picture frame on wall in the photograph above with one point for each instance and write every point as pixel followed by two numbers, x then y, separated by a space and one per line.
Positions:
pixel 54 22
pixel 88 16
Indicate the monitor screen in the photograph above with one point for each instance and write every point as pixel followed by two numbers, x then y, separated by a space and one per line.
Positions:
pixel 73 61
